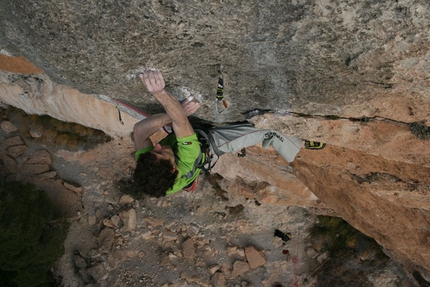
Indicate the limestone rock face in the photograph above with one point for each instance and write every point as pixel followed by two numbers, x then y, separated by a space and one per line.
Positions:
pixel 38 94
pixel 387 200
pixel 345 58
pixel 353 74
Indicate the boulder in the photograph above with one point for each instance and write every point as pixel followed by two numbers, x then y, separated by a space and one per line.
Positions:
pixel 8 127
pixel 16 151
pixel 12 141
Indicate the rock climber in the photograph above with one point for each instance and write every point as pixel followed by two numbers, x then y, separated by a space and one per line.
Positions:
pixel 176 161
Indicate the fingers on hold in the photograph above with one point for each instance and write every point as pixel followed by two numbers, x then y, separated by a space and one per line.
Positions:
pixel 145 77
pixel 159 78
pixel 154 78
pixel 189 99
pixel 142 77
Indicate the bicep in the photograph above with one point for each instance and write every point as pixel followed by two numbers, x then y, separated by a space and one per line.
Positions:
pixel 141 139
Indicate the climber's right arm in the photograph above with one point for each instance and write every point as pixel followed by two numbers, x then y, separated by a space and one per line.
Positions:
pixel 154 82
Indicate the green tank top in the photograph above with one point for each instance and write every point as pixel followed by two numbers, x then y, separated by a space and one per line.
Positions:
pixel 188 157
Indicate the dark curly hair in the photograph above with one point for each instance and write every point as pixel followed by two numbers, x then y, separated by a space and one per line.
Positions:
pixel 153 176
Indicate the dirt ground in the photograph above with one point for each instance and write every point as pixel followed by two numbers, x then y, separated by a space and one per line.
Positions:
pixel 155 256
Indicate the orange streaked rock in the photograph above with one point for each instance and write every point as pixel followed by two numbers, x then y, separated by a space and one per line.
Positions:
pixel 18 65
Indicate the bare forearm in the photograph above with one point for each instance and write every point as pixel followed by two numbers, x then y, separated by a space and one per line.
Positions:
pixel 172 107
pixel 153 123
pixel 147 127
pixel 154 82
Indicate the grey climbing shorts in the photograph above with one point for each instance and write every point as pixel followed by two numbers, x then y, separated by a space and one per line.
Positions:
pixel 233 138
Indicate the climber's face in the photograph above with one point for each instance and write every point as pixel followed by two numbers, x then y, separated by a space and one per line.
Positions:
pixel 164 153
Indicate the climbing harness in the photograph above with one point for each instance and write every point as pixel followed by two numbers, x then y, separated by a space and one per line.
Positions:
pixel 210 157
pixel 220 93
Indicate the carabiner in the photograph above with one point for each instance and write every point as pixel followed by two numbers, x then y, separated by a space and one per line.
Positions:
pixel 220 93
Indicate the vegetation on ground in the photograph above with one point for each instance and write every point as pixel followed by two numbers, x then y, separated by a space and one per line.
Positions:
pixel 31 236
pixel 352 255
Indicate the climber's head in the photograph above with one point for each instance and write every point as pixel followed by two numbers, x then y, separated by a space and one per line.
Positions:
pixel 156 171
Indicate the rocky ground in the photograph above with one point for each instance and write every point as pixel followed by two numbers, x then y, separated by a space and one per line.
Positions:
pixel 210 238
